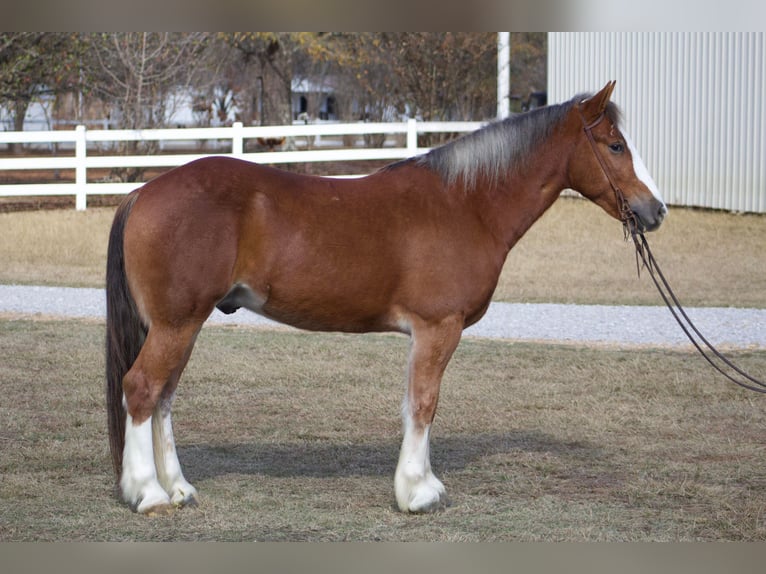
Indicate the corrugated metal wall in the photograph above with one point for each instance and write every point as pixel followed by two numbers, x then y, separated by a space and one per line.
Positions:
pixel 693 102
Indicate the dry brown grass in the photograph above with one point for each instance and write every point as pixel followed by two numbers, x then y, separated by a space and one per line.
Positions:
pixel 574 254
pixel 60 247
pixel 294 436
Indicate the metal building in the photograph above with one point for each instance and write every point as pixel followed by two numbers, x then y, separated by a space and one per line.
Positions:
pixel 693 102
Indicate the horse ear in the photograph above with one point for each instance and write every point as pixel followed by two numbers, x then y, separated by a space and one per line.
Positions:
pixel 594 106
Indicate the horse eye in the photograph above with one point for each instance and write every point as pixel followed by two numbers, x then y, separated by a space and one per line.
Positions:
pixel 617 147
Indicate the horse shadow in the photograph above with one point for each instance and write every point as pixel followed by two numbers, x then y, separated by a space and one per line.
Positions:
pixel 336 459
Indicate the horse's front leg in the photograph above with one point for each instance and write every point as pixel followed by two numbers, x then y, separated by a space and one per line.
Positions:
pixel 432 345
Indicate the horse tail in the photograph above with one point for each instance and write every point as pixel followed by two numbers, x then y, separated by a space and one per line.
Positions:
pixel 125 333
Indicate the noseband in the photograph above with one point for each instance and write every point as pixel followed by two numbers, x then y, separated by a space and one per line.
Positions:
pixel 645 256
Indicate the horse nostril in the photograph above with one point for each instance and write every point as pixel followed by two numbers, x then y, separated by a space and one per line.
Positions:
pixel 650 214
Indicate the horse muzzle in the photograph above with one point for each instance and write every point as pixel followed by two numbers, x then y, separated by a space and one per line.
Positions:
pixel 649 214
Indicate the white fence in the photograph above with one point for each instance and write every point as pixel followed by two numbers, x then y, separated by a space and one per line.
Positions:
pixel 231 139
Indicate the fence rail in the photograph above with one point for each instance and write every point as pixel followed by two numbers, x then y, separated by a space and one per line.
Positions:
pixel 233 138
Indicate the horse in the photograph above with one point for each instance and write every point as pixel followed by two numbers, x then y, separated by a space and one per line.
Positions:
pixel 416 247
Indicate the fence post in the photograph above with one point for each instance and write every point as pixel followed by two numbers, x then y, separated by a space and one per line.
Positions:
pixel 81 174
pixel 237 141
pixel 412 136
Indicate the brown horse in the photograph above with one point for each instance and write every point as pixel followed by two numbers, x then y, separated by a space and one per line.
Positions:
pixel 416 247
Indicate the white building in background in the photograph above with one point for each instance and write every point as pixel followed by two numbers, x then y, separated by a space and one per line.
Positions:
pixel 324 106
pixel 693 102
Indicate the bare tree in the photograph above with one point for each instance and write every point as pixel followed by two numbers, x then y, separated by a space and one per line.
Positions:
pixel 446 75
pixel 435 75
pixel 263 66
pixel 139 74
pixel 364 70
pixel 138 71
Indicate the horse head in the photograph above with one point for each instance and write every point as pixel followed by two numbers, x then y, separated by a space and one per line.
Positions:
pixel 606 168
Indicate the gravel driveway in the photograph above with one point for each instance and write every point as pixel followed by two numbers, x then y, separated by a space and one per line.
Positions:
pixel 602 324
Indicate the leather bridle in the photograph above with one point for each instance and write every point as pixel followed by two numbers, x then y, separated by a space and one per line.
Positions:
pixel 644 255
pixel 627 216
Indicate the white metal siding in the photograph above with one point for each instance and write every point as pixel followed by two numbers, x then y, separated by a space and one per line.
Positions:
pixel 692 101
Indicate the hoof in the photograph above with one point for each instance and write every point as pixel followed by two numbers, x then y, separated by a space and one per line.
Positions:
pixel 427 504
pixel 190 500
pixel 422 495
pixel 154 502
pixel 184 494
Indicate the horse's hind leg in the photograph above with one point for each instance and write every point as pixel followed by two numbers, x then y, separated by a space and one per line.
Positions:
pixel 169 473
pixel 416 487
pixel 148 389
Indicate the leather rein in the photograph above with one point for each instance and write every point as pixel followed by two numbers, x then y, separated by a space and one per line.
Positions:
pixel 644 255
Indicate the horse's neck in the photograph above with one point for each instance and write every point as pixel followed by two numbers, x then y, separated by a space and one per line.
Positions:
pixel 515 202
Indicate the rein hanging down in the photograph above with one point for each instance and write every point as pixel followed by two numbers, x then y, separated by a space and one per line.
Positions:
pixel 746 381
pixel 645 259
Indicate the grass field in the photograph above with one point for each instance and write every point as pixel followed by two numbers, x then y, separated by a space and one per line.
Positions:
pixel 293 436
pixel 574 254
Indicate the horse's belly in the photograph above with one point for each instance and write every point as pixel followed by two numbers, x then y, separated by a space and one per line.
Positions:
pixel 328 314
pixel 315 310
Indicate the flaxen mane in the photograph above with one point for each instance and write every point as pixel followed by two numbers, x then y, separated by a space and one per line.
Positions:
pixel 500 147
